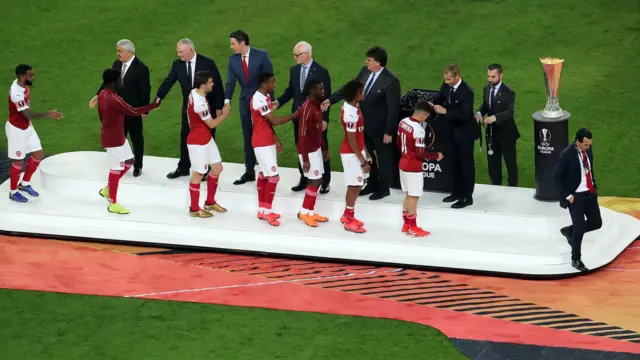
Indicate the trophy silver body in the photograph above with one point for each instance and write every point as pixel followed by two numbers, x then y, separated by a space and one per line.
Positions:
pixel 552 69
pixel 551 129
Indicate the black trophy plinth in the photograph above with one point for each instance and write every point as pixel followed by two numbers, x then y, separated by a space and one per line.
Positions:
pixel 551 137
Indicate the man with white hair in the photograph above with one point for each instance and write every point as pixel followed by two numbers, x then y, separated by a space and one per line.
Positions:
pixel 302 73
pixel 183 70
pixel 136 91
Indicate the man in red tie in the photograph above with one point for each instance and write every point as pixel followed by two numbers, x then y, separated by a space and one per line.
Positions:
pixel 575 178
pixel 245 66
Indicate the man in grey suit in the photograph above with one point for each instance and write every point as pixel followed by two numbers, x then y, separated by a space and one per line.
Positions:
pixel 245 66
pixel 381 111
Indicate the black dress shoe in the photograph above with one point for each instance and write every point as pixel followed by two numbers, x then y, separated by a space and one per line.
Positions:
pixel 566 231
pixel 301 185
pixel 137 172
pixel 450 198
pixel 368 189
pixel 463 203
pixel 579 265
pixel 177 173
pixel 379 195
pixel 324 189
pixel 244 178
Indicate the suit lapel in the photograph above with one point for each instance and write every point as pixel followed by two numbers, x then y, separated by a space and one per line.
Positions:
pixel 128 71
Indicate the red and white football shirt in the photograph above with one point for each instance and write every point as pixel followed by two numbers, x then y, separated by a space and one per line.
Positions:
pixel 19 100
pixel 197 112
pixel 263 133
pixel 411 143
pixel 352 121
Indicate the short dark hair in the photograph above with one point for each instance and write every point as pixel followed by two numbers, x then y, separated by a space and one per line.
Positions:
pixel 264 77
pixel 452 69
pixel 110 76
pixel 423 105
pixel 495 66
pixel 240 36
pixel 583 133
pixel 22 69
pixel 201 78
pixel 312 83
pixel 351 89
pixel 378 54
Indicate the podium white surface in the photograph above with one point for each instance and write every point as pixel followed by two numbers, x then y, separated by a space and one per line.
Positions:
pixel 506 231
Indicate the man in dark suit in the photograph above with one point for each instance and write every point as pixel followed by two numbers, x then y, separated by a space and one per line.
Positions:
pixel 183 70
pixel 245 67
pixel 306 69
pixel 498 105
pixel 381 112
pixel 136 91
pixel 576 182
pixel 455 103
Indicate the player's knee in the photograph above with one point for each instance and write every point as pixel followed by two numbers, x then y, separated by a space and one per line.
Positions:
pixel 37 155
pixel 18 163
pixel 129 162
pixel 274 179
pixel 216 169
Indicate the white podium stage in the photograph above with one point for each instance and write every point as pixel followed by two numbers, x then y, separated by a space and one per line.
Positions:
pixel 506 231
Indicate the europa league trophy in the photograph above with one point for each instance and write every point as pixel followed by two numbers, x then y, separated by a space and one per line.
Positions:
pixel 551 129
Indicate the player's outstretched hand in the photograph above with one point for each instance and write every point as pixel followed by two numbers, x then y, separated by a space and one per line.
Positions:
pixel 226 111
pixel 279 146
pixel 325 105
pixel 54 114
pixel 296 114
pixel 93 102
pixel 366 168
pixel 440 156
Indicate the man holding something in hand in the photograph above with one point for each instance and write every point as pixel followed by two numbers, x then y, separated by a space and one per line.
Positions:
pixel 455 104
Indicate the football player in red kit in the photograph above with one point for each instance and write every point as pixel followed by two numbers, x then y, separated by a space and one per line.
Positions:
pixel 203 151
pixel 411 136
pixel 312 150
pixel 112 109
pixel 354 156
pixel 21 136
pixel 266 146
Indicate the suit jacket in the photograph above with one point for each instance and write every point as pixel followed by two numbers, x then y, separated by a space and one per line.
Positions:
pixel 459 111
pixel 136 89
pixel 259 62
pixel 381 106
pixel 568 173
pixel 316 71
pixel 178 72
pixel 505 128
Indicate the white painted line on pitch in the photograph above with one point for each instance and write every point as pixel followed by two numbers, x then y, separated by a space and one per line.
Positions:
pixel 239 285
pixel 253 284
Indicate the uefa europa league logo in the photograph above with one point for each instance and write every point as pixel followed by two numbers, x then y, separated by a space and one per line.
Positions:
pixel 552 68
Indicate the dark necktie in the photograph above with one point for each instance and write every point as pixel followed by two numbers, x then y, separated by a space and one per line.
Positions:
pixel 189 73
pixel 450 93
pixel 366 90
pixel 491 96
